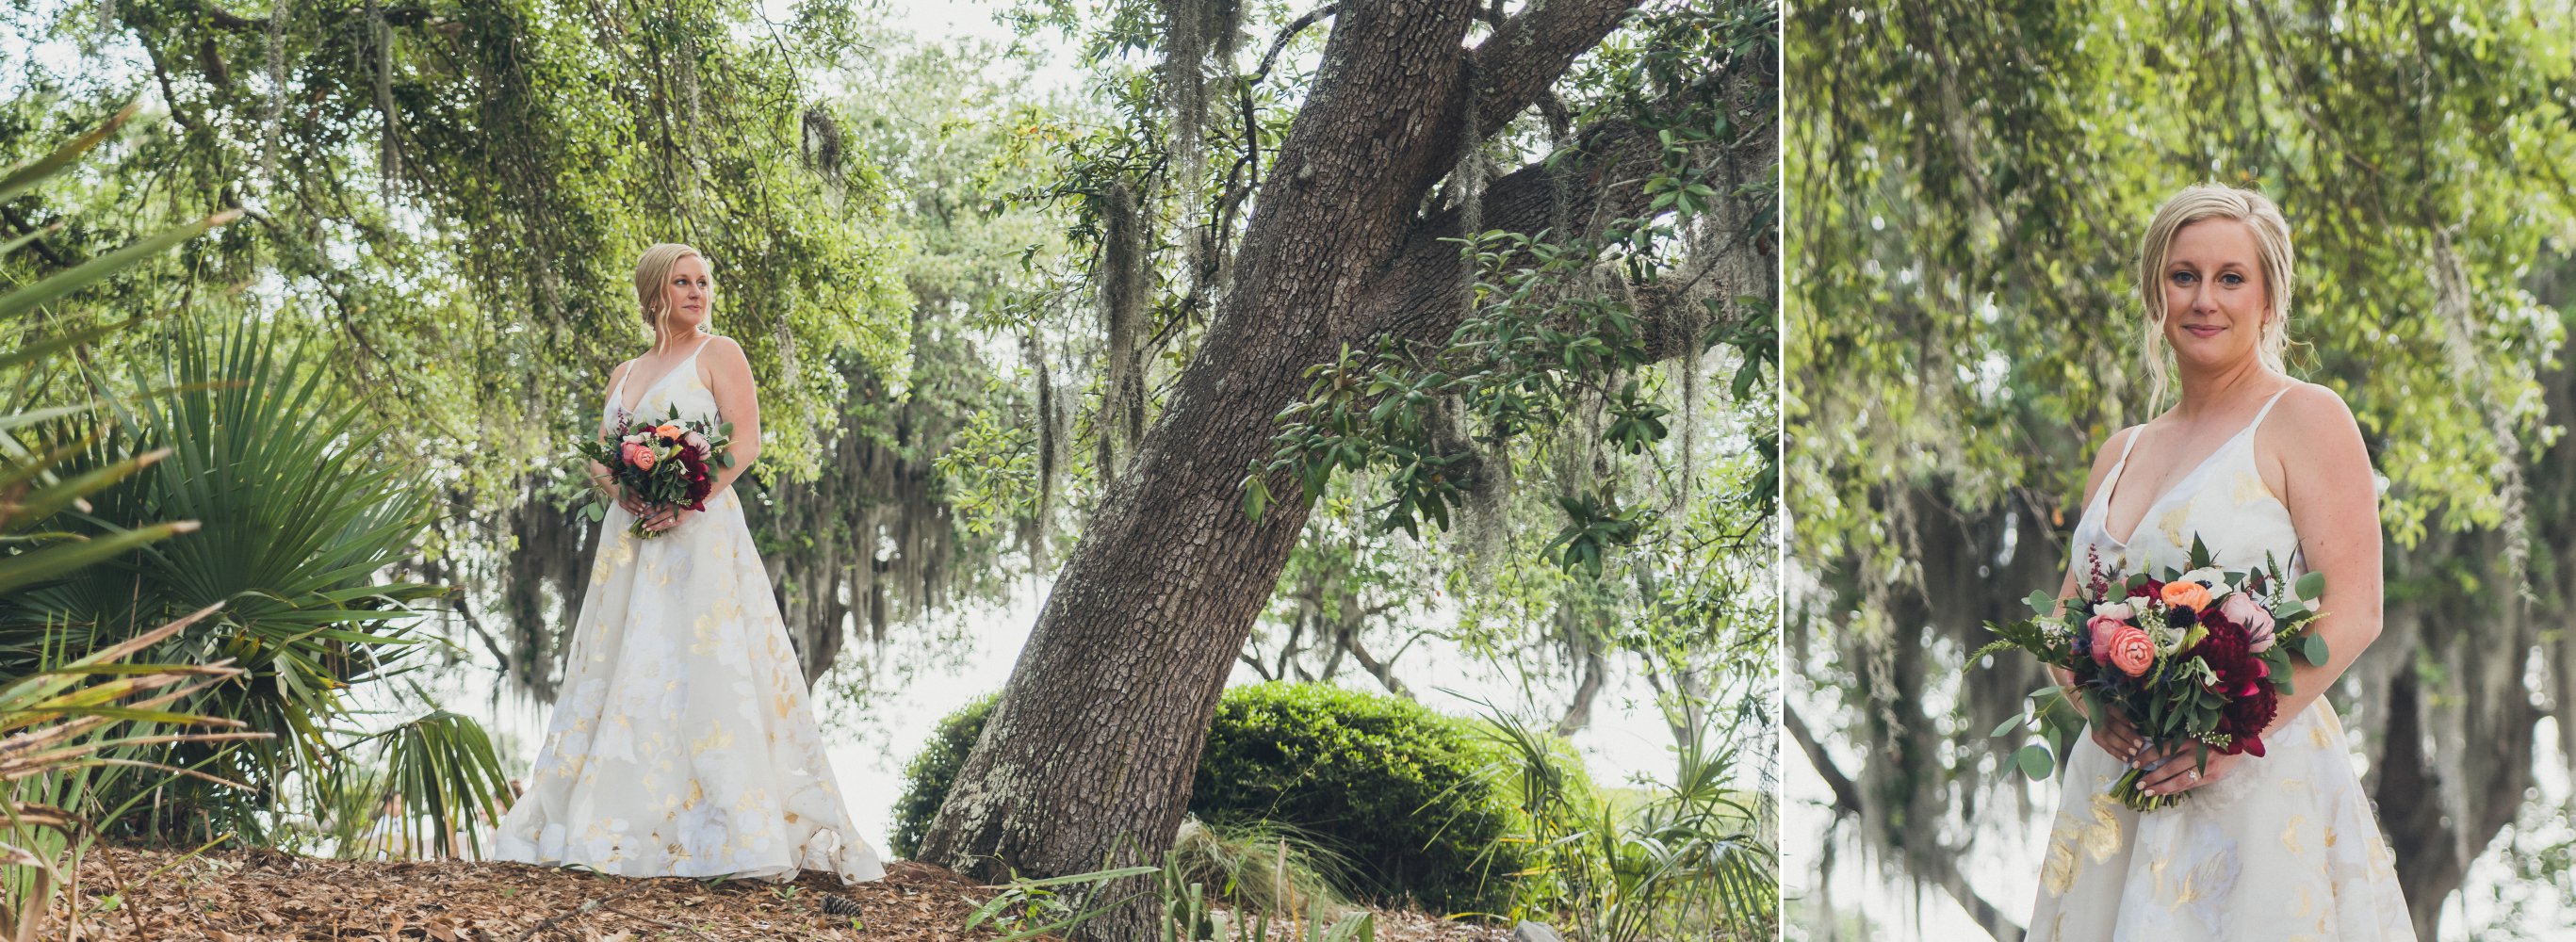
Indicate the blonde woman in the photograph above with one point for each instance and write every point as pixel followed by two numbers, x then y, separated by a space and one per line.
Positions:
pixel 683 743
pixel 2253 462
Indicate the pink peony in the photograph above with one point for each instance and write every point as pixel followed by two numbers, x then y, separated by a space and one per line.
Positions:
pixel 2131 650
pixel 698 442
pixel 2103 627
pixel 637 455
pixel 2249 614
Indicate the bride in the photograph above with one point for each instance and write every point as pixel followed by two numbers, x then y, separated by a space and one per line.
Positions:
pixel 2286 845
pixel 683 744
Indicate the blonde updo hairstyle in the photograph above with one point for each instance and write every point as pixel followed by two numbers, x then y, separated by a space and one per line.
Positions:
pixel 653 278
pixel 2272 252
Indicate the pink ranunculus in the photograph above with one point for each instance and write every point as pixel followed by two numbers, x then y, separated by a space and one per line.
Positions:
pixel 2102 628
pixel 2249 614
pixel 637 455
pixel 2132 651
pixel 698 442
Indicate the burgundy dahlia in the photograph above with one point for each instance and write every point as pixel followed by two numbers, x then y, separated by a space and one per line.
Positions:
pixel 694 467
pixel 2251 703
pixel 2230 654
pixel 2245 719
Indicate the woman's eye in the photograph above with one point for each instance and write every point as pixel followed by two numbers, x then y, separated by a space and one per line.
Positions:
pixel 2183 277
pixel 2232 279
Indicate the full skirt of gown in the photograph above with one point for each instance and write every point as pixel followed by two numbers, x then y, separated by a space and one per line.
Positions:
pixel 682 741
pixel 2286 847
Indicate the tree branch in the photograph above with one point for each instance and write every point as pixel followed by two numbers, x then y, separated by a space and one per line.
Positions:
pixel 1846 792
pixel 1516 65
pixel 1420 297
pixel 1847 802
pixel 38 243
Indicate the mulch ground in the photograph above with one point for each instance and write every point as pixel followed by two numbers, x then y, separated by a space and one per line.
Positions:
pixel 268 896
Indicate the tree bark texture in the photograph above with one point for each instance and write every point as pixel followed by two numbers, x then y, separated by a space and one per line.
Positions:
pixel 1087 759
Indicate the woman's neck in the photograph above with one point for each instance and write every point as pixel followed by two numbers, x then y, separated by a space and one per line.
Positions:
pixel 2220 386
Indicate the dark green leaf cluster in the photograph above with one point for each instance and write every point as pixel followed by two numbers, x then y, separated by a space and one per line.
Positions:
pixel 300 507
pixel 1400 792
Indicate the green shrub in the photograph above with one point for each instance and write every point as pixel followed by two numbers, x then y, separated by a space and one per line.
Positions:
pixel 1392 786
pixel 1397 792
pixel 926 777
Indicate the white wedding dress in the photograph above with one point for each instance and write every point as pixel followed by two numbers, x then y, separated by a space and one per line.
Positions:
pixel 683 743
pixel 2286 846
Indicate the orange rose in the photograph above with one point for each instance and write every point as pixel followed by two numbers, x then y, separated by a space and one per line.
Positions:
pixel 2132 651
pixel 2191 595
pixel 670 432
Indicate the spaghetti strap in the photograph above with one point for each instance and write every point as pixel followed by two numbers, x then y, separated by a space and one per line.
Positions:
pixel 711 338
pixel 2258 416
pixel 620 385
pixel 2120 468
pixel 2134 433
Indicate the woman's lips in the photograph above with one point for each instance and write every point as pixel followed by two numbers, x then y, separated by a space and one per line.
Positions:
pixel 2203 331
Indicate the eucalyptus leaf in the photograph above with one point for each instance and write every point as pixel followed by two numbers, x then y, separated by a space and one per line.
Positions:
pixel 2034 761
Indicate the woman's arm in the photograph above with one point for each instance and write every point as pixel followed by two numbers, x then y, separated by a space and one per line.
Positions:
pixel 738 397
pixel 599 475
pixel 2311 454
pixel 2103 459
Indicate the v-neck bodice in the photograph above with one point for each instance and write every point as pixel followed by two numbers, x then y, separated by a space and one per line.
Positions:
pixel 690 395
pixel 2223 501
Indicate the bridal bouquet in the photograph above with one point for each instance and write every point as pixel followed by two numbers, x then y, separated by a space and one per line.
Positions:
pixel 665 463
pixel 2199 657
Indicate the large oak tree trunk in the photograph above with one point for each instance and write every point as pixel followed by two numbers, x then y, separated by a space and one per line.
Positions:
pixel 1087 759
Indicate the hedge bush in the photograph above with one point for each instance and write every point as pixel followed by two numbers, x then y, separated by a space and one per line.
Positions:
pixel 1406 795
pixel 926 777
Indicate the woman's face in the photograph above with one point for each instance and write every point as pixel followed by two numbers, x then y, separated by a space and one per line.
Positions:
pixel 687 295
pixel 2214 293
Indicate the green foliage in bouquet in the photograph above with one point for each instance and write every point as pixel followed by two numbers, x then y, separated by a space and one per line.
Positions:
pixel 2182 666
pixel 655 460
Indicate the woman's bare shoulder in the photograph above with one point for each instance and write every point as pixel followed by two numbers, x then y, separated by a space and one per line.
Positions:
pixel 2312 404
pixel 2113 445
pixel 2309 416
pixel 725 348
pixel 2311 423
pixel 2108 454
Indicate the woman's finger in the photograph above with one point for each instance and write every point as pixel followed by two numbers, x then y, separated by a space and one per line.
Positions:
pixel 2126 744
pixel 2152 753
pixel 2182 772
